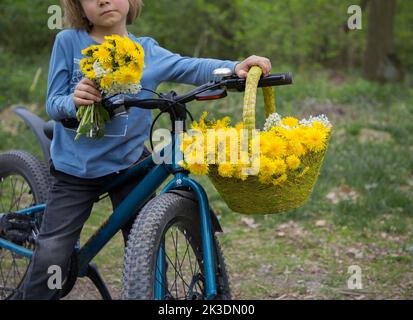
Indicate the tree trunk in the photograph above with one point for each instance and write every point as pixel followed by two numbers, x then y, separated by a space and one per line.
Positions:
pixel 381 62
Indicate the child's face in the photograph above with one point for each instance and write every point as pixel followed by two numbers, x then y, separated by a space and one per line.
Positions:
pixel 106 13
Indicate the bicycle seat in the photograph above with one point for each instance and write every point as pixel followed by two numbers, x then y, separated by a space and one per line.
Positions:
pixel 48 129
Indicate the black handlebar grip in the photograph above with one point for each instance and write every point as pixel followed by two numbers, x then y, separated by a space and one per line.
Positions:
pixel 289 77
pixel 276 80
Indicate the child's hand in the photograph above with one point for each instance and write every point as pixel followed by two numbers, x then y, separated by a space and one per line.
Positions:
pixel 86 93
pixel 243 67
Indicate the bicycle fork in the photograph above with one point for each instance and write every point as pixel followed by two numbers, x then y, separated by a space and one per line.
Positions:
pixel 180 181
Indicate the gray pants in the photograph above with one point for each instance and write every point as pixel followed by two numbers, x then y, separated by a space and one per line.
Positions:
pixel 69 205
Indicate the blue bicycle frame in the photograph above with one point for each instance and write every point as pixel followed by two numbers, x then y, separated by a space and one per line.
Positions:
pixel 157 174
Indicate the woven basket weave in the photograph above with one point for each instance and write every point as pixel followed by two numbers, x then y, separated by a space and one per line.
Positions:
pixel 251 196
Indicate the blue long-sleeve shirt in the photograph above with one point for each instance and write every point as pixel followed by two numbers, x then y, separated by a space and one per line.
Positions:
pixel 125 134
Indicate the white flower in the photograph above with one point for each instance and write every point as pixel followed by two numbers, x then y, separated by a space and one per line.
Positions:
pixel 117 88
pixel 320 118
pixel 273 119
pixel 99 71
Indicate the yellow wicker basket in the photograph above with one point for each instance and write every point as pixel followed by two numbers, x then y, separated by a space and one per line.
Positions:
pixel 251 196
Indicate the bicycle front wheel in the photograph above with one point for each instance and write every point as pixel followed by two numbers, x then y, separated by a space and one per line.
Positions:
pixel 175 219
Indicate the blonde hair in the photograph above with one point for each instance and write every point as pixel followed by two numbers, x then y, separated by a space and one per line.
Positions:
pixel 74 15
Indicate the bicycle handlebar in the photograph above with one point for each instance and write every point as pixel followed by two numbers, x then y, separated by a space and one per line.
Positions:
pixel 123 101
pixel 236 83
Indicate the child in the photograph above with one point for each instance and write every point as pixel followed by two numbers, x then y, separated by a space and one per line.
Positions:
pixel 80 168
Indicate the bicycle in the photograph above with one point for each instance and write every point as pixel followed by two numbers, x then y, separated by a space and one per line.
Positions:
pixel 172 251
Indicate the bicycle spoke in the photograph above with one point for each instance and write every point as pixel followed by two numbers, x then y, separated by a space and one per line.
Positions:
pixel 7 278
pixel 190 262
pixel 1 193
pixel 165 285
pixel 182 263
pixel 17 202
pixel 18 271
pixel 20 196
pixel 25 192
pixel 177 272
pixel 1 272
pixel 174 265
pixel 12 203
pixel 177 259
pixel 12 198
pixel 14 270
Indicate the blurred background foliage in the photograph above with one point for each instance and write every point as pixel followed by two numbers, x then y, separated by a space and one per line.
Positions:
pixel 303 34
pixel 293 31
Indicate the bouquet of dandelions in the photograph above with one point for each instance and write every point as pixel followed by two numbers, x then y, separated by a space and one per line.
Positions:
pixel 115 66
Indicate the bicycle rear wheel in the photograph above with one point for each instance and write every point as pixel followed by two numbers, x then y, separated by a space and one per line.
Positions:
pixel 174 218
pixel 24 182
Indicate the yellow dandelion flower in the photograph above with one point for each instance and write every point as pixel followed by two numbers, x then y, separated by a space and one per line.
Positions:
pixel 293 162
pixel 90 74
pixel 103 55
pixel 315 140
pixel 267 166
pixel 106 81
pixel 108 45
pixel 90 50
pixel 186 141
pixel 113 38
pixel 238 172
pixel 194 157
pixel 129 45
pixel 222 123
pixel 86 64
pixel 294 147
pixel 239 126
pixel 125 76
pixel 120 59
pixel 289 121
pixel 226 169
pixel 321 127
pixel 107 65
pixel 280 166
pixel 273 147
pixel 135 68
pixel 202 125
pixel 281 132
pixel 198 168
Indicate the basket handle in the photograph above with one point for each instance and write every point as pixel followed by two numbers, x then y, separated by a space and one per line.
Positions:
pixel 250 98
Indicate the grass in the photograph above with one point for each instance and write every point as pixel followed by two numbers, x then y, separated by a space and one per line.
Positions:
pixel 360 212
